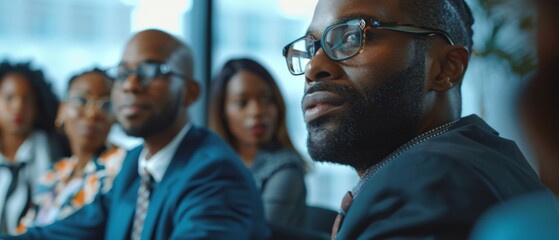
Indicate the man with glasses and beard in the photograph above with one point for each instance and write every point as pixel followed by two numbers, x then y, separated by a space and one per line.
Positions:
pixel 184 182
pixel 382 95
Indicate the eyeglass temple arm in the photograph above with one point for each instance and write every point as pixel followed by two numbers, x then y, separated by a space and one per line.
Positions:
pixel 417 30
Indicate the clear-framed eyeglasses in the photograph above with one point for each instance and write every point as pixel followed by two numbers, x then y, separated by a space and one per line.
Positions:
pixel 345 40
pixel 80 101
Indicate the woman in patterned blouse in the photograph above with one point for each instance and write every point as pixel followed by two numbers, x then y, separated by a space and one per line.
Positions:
pixel 85 118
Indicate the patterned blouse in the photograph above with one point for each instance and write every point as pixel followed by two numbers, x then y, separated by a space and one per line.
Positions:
pixel 58 196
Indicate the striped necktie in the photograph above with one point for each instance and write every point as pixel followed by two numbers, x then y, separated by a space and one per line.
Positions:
pixel 144 192
pixel 346 203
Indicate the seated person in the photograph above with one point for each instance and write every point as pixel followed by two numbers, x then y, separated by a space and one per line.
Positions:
pixel 86 119
pixel 184 182
pixel 28 142
pixel 248 111
pixel 382 95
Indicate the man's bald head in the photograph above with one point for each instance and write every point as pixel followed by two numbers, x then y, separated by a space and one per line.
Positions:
pixel 178 55
pixel 150 101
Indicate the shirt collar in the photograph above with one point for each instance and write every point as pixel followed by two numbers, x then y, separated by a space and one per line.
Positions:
pixel 158 163
pixel 24 153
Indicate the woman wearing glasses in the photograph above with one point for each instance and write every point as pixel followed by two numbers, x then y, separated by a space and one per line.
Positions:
pixel 85 118
pixel 28 142
pixel 248 111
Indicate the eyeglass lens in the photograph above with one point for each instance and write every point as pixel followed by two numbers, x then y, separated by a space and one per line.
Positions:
pixel 339 42
pixel 81 102
pixel 342 41
pixel 299 55
pixel 144 72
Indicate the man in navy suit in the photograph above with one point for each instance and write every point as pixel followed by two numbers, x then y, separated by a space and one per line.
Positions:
pixel 382 95
pixel 195 187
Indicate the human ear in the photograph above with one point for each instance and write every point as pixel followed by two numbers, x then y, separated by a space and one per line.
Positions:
pixel 453 66
pixel 192 92
pixel 60 116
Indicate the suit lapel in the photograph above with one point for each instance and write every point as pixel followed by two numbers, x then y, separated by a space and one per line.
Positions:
pixel 124 203
pixel 161 192
pixel 124 211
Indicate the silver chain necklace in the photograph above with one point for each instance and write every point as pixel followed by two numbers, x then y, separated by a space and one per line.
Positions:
pixel 419 139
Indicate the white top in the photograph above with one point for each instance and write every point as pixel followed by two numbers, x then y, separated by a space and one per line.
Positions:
pixel 35 153
pixel 157 164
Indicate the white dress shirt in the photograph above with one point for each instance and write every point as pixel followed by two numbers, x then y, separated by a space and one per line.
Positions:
pixel 35 154
pixel 158 163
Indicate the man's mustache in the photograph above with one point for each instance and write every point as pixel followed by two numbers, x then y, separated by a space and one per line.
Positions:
pixel 342 90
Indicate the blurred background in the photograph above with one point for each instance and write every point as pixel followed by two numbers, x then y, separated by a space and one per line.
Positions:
pixel 64 37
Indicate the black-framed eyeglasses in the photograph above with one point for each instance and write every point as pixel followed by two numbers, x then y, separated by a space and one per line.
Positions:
pixel 145 72
pixel 345 40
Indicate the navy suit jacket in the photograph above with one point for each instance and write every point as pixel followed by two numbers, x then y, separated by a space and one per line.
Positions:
pixel 206 193
pixel 438 188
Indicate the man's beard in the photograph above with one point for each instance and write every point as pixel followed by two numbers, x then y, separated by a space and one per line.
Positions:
pixel 374 125
pixel 158 123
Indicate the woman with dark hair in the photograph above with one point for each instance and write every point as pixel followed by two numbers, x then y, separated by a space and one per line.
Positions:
pixel 85 118
pixel 248 111
pixel 28 143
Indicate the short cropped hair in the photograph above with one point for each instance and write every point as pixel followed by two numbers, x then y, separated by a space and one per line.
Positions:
pixel 453 16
